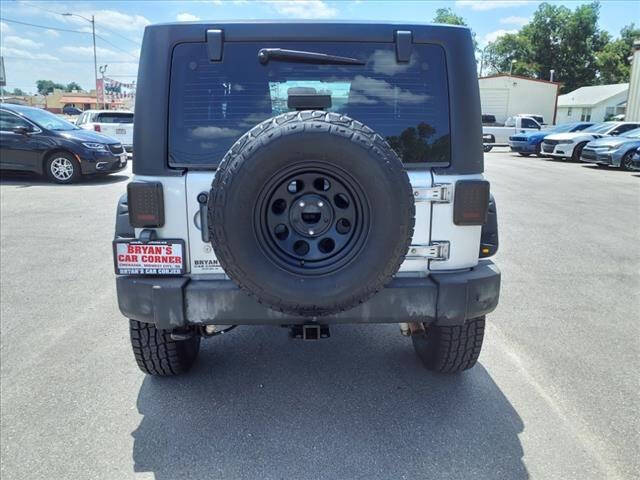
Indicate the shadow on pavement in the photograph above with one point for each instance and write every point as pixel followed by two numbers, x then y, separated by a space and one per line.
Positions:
pixel 28 179
pixel 358 405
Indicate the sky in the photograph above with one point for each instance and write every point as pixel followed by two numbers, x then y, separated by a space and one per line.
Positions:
pixel 63 51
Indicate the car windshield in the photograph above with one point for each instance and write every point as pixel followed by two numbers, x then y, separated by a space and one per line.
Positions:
pixel 49 121
pixel 599 127
pixel 632 133
pixel 567 127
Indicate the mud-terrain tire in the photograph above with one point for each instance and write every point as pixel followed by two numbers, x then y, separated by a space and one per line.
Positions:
pixel 450 349
pixel 156 353
pixel 311 213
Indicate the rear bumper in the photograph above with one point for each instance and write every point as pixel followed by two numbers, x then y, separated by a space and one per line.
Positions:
pixel 443 299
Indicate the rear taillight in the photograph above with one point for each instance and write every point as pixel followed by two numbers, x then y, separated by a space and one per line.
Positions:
pixel 97 128
pixel 146 204
pixel 471 202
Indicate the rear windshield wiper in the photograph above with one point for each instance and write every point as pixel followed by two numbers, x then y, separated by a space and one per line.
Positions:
pixel 281 55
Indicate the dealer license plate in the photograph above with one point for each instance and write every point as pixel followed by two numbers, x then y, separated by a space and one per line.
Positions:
pixel 153 257
pixel 121 131
pixel 123 159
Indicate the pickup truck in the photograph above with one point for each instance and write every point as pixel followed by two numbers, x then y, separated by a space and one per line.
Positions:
pixel 499 136
pixel 116 124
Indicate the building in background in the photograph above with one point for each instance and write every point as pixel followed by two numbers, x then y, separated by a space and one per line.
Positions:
pixel 633 101
pixel 593 104
pixel 506 95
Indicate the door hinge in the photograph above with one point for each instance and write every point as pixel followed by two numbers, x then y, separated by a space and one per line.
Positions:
pixel 441 193
pixel 433 251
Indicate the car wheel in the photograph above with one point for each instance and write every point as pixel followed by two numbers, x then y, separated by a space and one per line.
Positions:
pixel 450 349
pixel 577 151
pixel 486 148
pixel 62 168
pixel 311 213
pixel 539 150
pixel 627 163
pixel 158 354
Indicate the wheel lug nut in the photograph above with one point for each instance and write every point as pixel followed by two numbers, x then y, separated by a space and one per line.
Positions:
pixel 311 232
pixel 301 204
pixel 320 204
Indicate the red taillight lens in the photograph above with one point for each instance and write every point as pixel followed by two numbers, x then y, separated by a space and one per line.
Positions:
pixel 146 204
pixel 97 128
pixel 471 202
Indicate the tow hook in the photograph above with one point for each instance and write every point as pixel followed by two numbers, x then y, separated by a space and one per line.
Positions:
pixel 309 332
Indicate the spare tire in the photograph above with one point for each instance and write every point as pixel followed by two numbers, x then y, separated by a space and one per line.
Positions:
pixel 311 213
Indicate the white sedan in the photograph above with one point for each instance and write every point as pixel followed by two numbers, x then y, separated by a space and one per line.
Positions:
pixel 570 145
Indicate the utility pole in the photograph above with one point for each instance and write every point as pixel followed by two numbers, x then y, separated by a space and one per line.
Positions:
pixel 93 34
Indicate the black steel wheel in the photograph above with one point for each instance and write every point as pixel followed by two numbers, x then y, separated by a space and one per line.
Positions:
pixel 311 213
pixel 312 218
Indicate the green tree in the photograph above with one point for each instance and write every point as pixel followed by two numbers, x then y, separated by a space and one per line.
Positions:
pixel 47 86
pixel 447 15
pixel 557 38
pixel 613 61
pixel 73 86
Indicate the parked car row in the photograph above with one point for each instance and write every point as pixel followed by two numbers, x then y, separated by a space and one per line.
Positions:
pixel 35 140
pixel 607 144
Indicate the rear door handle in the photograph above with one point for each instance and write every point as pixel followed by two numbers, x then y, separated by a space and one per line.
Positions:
pixel 203 200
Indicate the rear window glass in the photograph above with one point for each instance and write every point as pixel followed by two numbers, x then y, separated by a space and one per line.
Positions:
pixel 213 103
pixel 114 118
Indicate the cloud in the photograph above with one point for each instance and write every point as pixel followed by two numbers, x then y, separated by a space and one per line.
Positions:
pixel 114 19
pixel 27 55
pixel 493 36
pixel 103 54
pixel 4 28
pixel 20 42
pixel 384 61
pixel 303 8
pixel 490 4
pixel 214 132
pixel 51 33
pixel 187 17
pixel 367 90
pixel 513 20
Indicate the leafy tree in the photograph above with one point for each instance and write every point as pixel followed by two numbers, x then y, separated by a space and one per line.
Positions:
pixel 557 38
pixel 18 92
pixel 73 86
pixel 48 86
pixel 613 61
pixel 447 15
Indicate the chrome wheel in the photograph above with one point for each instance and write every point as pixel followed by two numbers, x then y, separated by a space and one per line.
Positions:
pixel 62 169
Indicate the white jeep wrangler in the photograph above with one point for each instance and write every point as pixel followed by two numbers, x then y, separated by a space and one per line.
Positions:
pixel 304 175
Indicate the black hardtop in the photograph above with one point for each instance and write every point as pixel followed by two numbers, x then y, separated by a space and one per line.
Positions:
pixel 152 97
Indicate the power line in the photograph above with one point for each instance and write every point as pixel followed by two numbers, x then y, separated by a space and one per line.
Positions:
pixel 103 27
pixel 116 47
pixel 4 19
pixel 68 61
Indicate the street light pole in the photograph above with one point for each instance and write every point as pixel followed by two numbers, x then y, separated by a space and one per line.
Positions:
pixel 95 58
pixel 93 34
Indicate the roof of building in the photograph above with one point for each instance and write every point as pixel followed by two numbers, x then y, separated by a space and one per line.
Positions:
pixel 519 77
pixel 588 96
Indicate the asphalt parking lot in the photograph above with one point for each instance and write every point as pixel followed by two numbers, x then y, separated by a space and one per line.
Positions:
pixel 556 394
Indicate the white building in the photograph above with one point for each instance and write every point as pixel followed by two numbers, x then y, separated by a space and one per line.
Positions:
pixel 633 102
pixel 507 95
pixel 593 104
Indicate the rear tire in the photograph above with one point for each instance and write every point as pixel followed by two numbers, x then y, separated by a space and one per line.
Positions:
pixel 450 349
pixel 156 353
pixel 486 148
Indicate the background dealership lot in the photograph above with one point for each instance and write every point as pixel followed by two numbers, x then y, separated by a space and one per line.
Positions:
pixel 555 394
